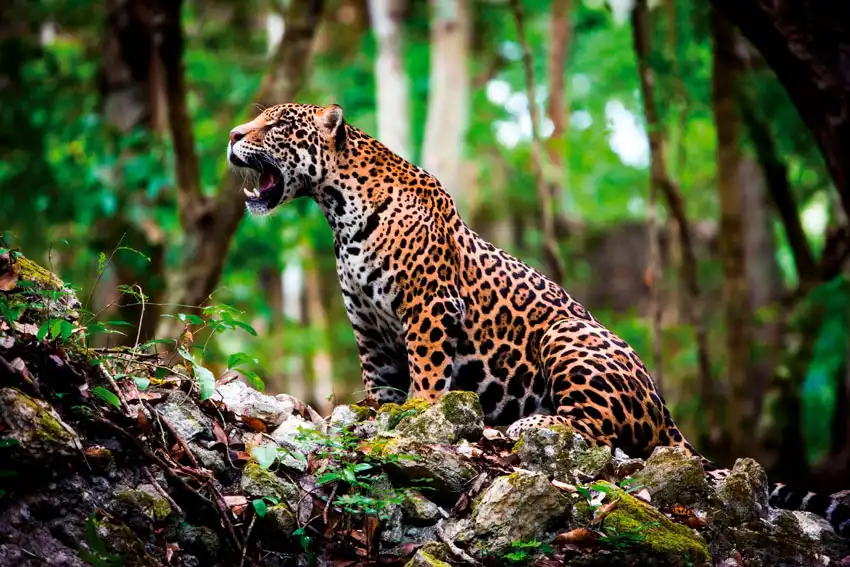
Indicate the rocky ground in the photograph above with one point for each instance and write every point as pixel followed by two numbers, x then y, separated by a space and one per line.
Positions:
pixel 109 458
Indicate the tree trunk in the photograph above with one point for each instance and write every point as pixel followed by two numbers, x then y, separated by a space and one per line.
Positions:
pixel 557 108
pixel 448 101
pixel 776 175
pixel 803 42
pixel 392 90
pixel 642 33
pixel 210 222
pixel 551 253
pixel 321 397
pixel 740 420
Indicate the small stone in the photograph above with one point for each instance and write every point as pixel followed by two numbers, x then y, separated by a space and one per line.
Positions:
pixel 209 458
pixel 244 401
pixel 518 507
pixel 420 510
pixel 147 500
pixel 281 519
pixel 295 435
pixel 343 416
pixel 673 477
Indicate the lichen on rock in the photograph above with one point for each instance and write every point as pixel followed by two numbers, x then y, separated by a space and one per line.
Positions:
pixel 561 453
pixel 744 492
pixel 32 430
pixel 448 472
pixel 517 507
pixel 673 477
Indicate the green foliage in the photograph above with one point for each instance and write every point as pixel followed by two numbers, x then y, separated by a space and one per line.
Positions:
pixel 97 553
pixel 107 396
pixel 525 551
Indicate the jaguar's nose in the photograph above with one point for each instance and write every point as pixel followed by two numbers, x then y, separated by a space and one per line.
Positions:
pixel 235 136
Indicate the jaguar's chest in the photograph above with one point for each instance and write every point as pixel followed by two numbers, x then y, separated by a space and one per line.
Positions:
pixel 368 289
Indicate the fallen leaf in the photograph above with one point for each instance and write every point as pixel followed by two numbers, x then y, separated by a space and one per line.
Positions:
pixel 492 434
pixel 220 435
pixel 684 515
pixel 26 329
pixel 582 537
pixel 644 495
pixel 254 423
pixel 235 500
pixel 603 511
pixel 564 486
pixel 9 274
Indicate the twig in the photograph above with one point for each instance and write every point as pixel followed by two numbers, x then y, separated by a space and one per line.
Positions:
pixel 180 441
pixel 441 534
pixel 328 503
pixel 108 377
pixel 163 493
pixel 247 537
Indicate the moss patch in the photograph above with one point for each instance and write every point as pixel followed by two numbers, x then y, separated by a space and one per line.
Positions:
pixel 632 518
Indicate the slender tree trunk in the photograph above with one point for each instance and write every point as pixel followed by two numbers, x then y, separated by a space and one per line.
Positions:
pixel 776 174
pixel 551 252
pixel 322 366
pixel 740 419
pixel 210 222
pixel 448 100
pixel 676 205
pixel 642 32
pixel 293 309
pixel 557 108
pixel 390 77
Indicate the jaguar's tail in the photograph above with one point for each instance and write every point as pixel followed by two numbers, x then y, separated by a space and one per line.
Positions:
pixel 835 508
pixel 831 507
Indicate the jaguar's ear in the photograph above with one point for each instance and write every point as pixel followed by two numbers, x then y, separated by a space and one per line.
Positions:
pixel 331 125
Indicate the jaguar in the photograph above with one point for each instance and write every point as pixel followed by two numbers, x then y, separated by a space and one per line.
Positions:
pixel 435 307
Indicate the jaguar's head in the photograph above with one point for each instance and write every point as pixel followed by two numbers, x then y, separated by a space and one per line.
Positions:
pixel 287 150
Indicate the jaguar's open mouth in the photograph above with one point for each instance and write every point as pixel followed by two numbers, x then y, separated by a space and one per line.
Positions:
pixel 269 183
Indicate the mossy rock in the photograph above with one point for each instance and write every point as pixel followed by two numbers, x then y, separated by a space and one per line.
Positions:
pixel 673 477
pixel 32 431
pixel 559 452
pixel 148 502
pixel 521 506
pixel 448 472
pixel 634 523
pixel 390 415
pixel 120 540
pixel 258 482
pixel 425 559
pixel 41 283
pixel 456 415
pixel 280 519
pixel 745 492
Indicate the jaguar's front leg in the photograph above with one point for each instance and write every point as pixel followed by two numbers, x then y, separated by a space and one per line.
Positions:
pixel 432 329
pixel 383 366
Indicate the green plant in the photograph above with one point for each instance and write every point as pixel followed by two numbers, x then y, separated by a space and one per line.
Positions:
pixel 524 551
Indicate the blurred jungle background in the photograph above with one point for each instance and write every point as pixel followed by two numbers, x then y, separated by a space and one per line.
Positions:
pixel 644 154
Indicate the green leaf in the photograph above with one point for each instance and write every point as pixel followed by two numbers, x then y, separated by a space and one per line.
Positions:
pixel 254 379
pixel 265 455
pixel 245 327
pixel 142 383
pixel 190 318
pixel 65 330
pixel 107 396
pixel 259 507
pixel 206 381
pixel 43 330
pixel 239 358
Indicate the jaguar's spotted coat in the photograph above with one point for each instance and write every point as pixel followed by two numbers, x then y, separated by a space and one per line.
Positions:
pixel 435 307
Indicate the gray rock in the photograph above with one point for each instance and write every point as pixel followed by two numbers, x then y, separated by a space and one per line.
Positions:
pixel 425 559
pixel 448 471
pixel 517 507
pixel 744 492
pixel 561 453
pixel 419 510
pixel 185 417
pixel 280 518
pixel 33 430
pixel 456 415
pixel 244 401
pixel 258 482
pixel 209 458
pixel 673 477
